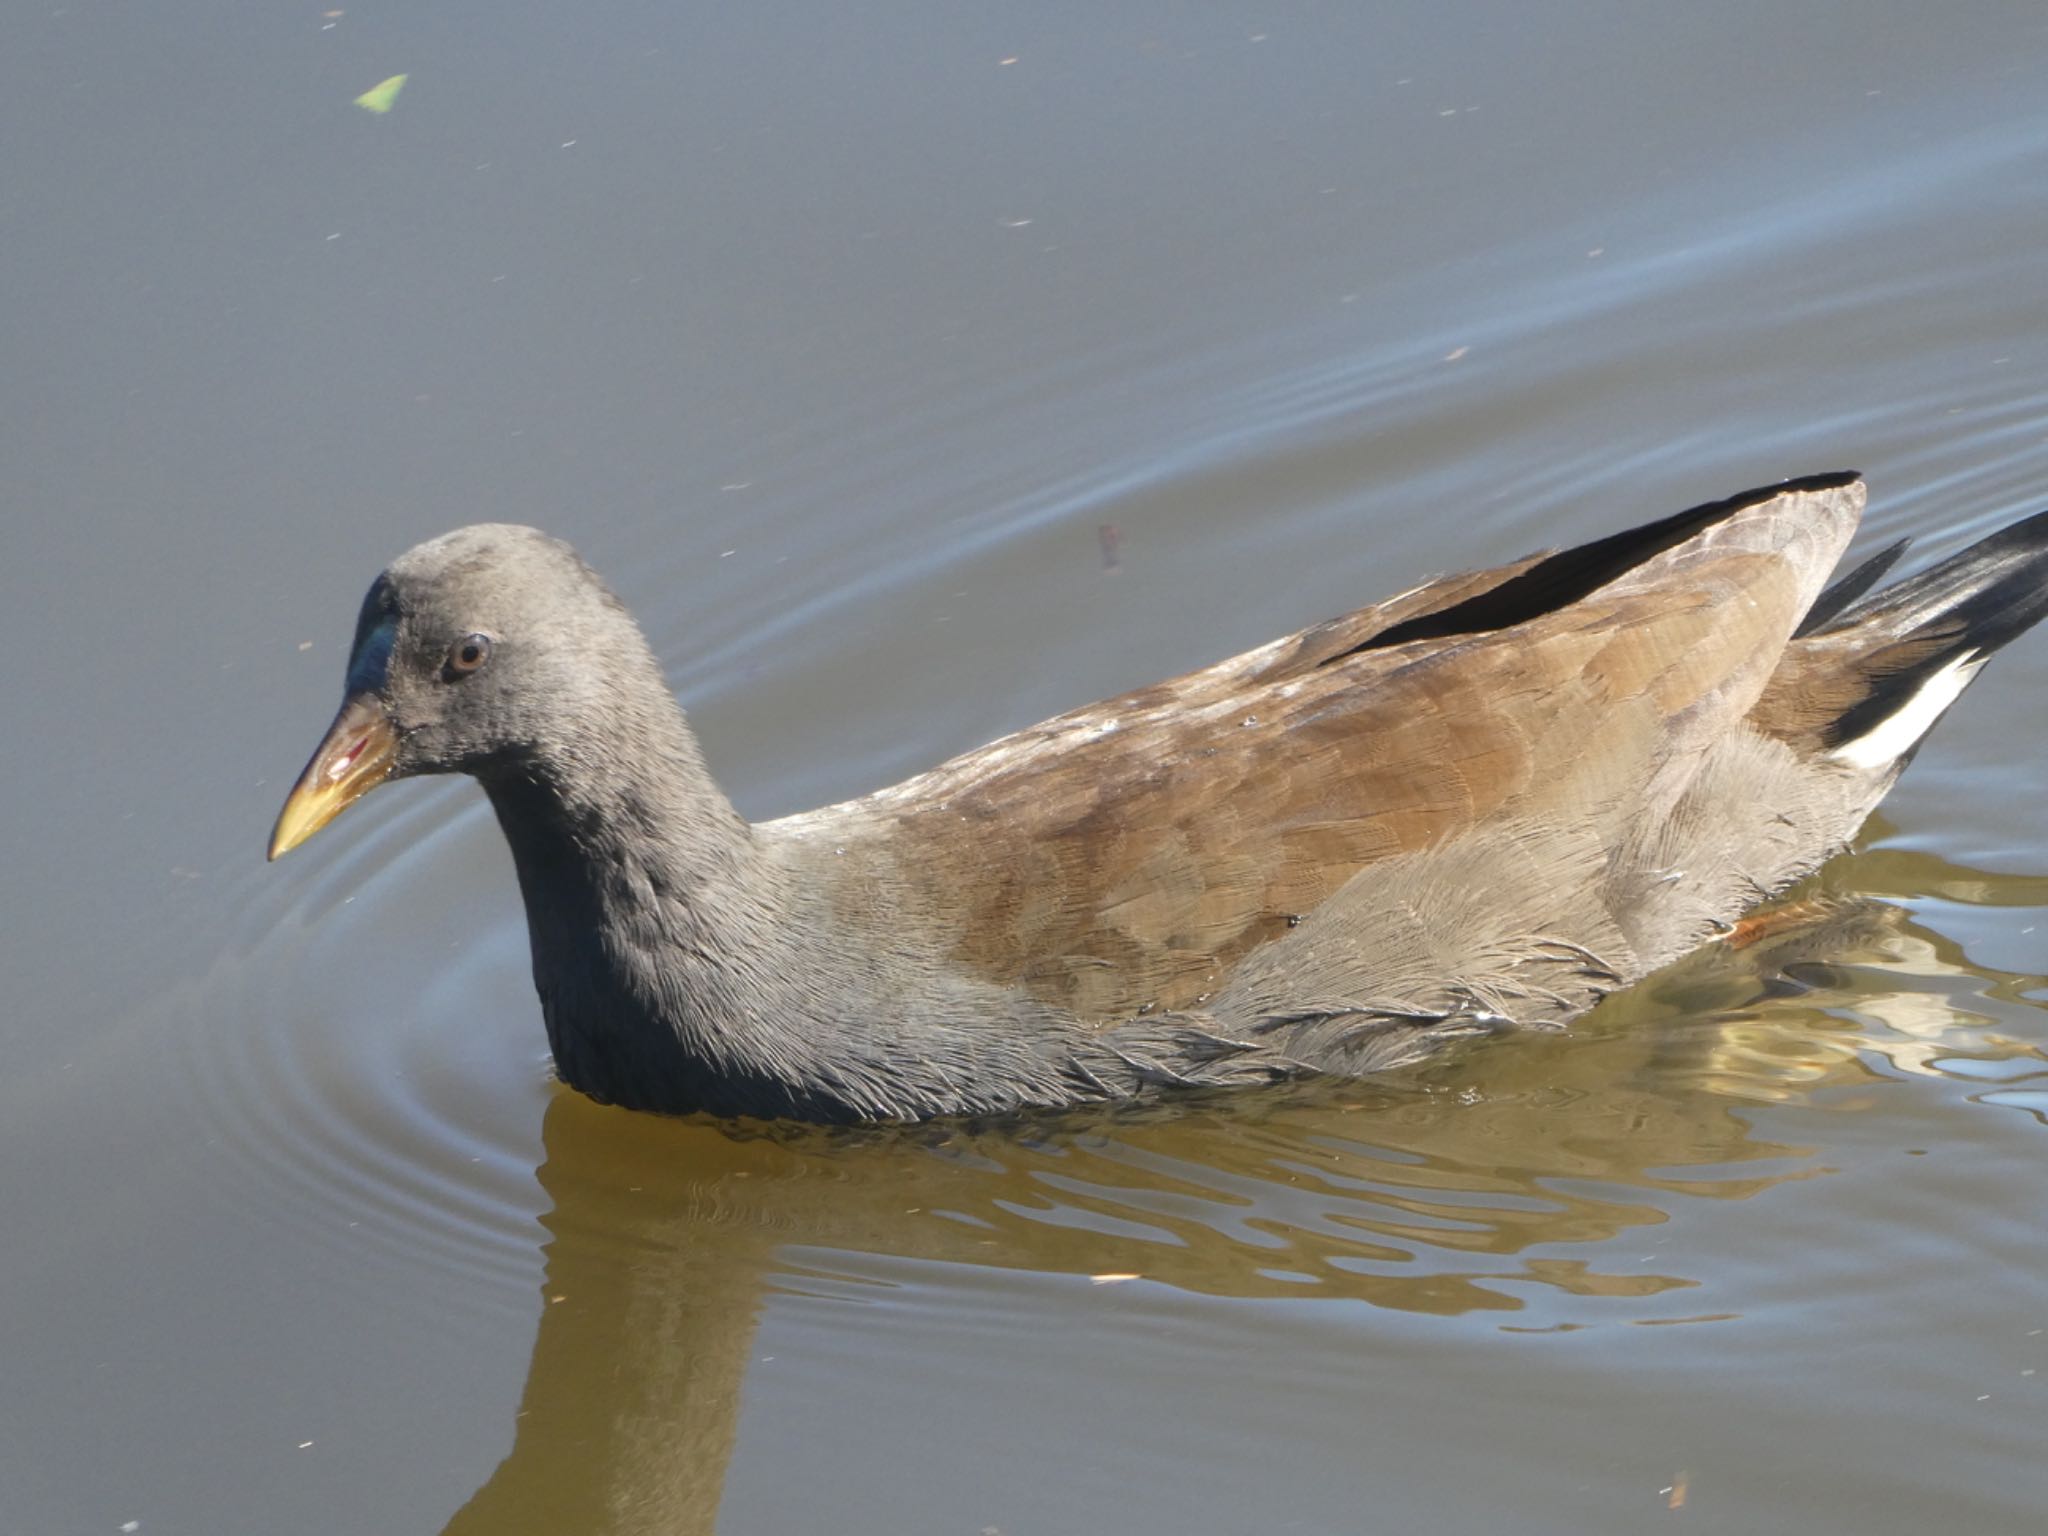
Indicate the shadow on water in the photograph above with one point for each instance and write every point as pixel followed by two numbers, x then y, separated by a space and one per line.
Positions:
pixel 1493 1182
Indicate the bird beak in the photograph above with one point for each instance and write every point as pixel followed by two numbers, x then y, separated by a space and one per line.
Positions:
pixel 352 759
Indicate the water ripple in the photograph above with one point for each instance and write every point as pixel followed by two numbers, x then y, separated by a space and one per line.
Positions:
pixel 377 1094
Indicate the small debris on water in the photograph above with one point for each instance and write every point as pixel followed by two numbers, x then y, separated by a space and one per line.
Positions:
pixel 380 97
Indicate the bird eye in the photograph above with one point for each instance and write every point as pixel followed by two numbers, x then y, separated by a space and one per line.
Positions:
pixel 467 655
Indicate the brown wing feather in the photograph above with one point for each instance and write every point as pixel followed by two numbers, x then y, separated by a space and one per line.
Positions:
pixel 1347 633
pixel 1127 856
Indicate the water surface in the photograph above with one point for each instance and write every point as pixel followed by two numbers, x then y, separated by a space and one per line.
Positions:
pixel 837 340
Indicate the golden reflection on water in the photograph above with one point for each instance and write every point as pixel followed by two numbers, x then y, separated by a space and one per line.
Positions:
pixel 1475 1186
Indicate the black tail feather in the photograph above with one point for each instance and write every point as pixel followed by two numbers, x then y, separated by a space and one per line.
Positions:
pixel 1832 603
pixel 1966 607
pixel 2012 562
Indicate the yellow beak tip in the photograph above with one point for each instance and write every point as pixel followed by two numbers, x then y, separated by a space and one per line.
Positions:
pixel 353 759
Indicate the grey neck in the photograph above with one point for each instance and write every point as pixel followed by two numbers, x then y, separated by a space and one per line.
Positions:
pixel 655 918
pixel 686 961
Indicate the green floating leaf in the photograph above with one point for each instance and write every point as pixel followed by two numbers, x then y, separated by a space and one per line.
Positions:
pixel 379 97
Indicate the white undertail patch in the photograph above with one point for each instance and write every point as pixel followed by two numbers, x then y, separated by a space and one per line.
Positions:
pixel 1893 736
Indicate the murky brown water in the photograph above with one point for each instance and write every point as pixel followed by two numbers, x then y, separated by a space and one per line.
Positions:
pixel 837 340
